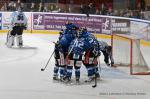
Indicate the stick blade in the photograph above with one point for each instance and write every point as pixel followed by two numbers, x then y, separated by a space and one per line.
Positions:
pixel 42 69
pixel 94 86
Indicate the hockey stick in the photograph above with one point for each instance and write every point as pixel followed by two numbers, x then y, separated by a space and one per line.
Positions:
pixel 95 84
pixel 99 67
pixel 42 69
pixel 73 46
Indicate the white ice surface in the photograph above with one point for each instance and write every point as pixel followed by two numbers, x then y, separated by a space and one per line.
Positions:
pixel 21 78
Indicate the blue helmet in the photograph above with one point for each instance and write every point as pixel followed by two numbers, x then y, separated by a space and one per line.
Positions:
pixel 71 26
pixel 83 32
pixel 68 26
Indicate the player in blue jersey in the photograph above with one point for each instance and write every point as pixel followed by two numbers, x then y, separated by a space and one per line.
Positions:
pixel 84 43
pixel 91 54
pixel 75 59
pixel 60 62
pixel 61 49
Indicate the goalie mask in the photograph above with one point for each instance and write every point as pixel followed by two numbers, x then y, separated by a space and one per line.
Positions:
pixel 19 9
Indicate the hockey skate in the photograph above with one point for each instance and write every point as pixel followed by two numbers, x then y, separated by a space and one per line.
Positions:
pixel 62 78
pixel 67 80
pixel 98 77
pixel 55 77
pixel 19 41
pixel 90 79
pixel 107 64
pixel 20 45
pixel 77 80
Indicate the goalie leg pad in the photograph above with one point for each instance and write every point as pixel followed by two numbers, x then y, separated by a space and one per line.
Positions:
pixel 10 42
pixel 19 40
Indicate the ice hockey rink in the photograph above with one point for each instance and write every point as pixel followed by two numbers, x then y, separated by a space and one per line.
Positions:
pixel 21 76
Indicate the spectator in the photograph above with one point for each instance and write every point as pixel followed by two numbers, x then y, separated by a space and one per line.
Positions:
pixel 121 13
pixel 110 12
pixel 45 9
pixel 18 3
pixel 116 13
pixel 97 12
pixel 69 10
pixel 143 5
pixel 82 9
pixel 92 9
pixel 4 8
pixel 11 6
pixel 14 6
pixel 85 10
pixel 33 7
pixel 41 7
pixel 57 10
pixel 132 14
pixel 103 9
pixel 51 7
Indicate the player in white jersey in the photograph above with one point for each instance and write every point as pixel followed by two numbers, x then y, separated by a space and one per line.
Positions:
pixel 18 23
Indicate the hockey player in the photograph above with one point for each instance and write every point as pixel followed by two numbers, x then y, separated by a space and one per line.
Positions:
pixel 107 52
pixel 74 59
pixel 84 43
pixel 91 55
pixel 68 35
pixel 18 24
pixel 90 61
pixel 60 62
pixel 61 50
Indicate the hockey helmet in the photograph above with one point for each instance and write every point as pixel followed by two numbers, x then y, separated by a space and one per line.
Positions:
pixel 109 49
pixel 19 9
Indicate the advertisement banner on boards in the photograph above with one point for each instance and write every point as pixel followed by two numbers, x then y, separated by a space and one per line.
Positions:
pixel 106 25
pixel 6 20
pixel 55 22
pixel 120 26
pixel 38 22
pixel 58 21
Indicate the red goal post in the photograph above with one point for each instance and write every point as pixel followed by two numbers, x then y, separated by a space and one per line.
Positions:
pixel 127 53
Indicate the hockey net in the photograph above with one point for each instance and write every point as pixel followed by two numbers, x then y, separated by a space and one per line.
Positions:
pixel 127 53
